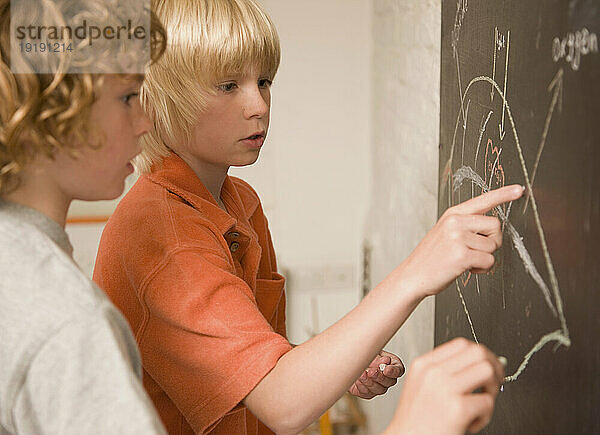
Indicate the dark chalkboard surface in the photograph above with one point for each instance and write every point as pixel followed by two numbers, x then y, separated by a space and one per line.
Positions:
pixel 520 103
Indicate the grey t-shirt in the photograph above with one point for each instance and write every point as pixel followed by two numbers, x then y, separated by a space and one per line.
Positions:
pixel 68 361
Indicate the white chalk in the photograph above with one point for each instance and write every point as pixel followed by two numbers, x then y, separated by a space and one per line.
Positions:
pixel 504 362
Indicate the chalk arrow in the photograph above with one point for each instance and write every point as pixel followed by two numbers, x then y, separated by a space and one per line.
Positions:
pixel 494 64
pixel 556 86
pixel 501 127
pixel 501 131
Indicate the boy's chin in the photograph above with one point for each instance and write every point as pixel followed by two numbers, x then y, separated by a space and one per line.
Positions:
pixel 246 161
pixel 107 194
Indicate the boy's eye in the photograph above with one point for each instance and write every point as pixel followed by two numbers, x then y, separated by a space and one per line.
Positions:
pixel 227 87
pixel 128 99
pixel 264 83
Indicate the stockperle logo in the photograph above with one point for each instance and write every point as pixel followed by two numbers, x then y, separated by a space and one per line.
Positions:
pixel 80 36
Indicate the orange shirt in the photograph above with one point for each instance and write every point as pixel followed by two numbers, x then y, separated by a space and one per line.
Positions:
pixel 201 291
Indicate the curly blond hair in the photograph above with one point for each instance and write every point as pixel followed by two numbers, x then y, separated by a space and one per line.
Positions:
pixel 41 113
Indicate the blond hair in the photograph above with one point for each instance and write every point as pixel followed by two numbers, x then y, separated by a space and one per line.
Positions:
pixel 41 113
pixel 209 40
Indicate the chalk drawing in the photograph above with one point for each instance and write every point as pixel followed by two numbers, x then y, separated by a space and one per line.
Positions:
pixel 496 48
pixel 462 299
pixel 501 127
pixel 557 336
pixel 461 10
pixel 494 170
pixel 481 131
pixel 494 177
pixel 464 173
pixel 557 85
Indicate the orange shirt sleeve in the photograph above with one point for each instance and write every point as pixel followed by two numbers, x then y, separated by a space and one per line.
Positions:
pixel 204 340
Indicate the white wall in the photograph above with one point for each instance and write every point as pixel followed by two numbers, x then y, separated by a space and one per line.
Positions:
pixel 313 172
pixel 406 65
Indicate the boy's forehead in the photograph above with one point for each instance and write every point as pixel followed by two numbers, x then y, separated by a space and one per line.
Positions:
pixel 114 84
pixel 241 71
pixel 123 79
pixel 127 79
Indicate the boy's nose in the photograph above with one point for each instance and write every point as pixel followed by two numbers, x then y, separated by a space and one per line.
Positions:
pixel 145 125
pixel 142 122
pixel 256 105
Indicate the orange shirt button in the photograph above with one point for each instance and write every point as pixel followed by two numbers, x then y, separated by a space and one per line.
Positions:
pixel 234 246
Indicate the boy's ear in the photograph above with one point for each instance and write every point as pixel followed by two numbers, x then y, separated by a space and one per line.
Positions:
pixel 26 141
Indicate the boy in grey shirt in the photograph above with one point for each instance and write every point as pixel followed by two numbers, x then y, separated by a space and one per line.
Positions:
pixel 68 361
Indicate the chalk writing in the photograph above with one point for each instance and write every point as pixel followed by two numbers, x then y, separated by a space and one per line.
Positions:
pixel 574 45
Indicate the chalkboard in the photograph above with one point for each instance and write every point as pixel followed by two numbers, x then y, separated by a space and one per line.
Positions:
pixel 520 103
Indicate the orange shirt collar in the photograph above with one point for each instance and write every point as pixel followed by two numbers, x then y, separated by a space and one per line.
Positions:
pixel 175 175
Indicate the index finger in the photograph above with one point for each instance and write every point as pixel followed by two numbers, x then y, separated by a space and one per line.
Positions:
pixel 483 203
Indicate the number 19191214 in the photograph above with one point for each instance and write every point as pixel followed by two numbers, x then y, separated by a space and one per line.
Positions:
pixel 45 47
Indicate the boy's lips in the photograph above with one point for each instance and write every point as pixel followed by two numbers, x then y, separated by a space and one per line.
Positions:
pixel 255 140
pixel 255 135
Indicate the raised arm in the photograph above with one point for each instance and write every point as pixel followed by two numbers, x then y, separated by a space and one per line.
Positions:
pixel 307 380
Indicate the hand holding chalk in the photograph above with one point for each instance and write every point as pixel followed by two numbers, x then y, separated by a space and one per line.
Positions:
pixel 382 373
pixel 439 395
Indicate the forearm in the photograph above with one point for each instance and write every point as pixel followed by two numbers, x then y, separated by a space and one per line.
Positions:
pixel 314 375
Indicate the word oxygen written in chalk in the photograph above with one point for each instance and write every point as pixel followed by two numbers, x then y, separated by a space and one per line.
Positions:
pixel 573 46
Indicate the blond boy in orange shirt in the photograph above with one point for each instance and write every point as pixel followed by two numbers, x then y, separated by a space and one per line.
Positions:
pixel 188 257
